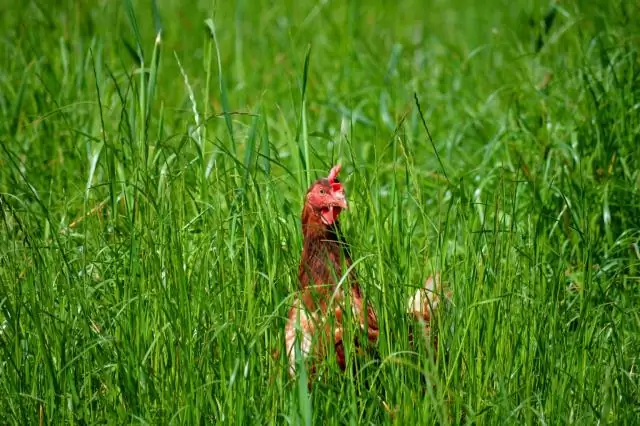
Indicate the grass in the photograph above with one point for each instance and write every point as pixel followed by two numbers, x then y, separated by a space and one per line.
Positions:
pixel 153 161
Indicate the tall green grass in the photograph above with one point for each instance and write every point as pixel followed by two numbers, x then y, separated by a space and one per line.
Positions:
pixel 153 159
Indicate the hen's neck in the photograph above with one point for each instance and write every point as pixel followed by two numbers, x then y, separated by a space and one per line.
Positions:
pixel 323 254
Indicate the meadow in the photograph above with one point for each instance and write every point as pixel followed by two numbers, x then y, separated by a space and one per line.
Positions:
pixel 154 156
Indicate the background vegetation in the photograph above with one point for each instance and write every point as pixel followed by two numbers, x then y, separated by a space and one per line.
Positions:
pixel 153 158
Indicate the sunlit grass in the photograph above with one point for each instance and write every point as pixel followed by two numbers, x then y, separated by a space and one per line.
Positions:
pixel 152 166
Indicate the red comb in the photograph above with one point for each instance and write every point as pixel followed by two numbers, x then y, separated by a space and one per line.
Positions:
pixel 333 174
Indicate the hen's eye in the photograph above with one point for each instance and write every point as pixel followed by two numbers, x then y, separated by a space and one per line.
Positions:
pixel 321 191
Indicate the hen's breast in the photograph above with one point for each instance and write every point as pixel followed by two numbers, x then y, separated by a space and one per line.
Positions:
pixel 320 266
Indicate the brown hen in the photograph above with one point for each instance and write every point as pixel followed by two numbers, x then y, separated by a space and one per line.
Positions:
pixel 327 280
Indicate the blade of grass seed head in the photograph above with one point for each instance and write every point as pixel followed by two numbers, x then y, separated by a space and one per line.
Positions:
pixel 294 167
pixel 196 133
pixel 17 103
pixel 385 115
pixel 64 58
pixel 131 50
pixel 265 148
pixel 151 85
pixel 136 31
pixel 221 84
pixel 211 162
pixel 424 125
pixel 141 140
pixel 157 19
pixel 224 101
pixel 125 123
pixel 250 149
pixel 606 214
pixel 239 19
pixel 303 118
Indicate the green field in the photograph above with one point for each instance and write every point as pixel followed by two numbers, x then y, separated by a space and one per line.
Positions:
pixel 153 161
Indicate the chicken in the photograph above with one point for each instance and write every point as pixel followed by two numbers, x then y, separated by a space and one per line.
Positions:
pixel 326 278
pixel 423 305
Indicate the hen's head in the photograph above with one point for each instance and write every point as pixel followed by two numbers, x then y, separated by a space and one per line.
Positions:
pixel 325 200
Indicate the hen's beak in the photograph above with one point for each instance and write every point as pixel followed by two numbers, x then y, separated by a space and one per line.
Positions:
pixel 340 200
pixel 333 206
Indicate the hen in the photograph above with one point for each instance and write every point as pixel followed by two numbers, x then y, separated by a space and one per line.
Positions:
pixel 325 259
pixel 327 280
pixel 423 306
